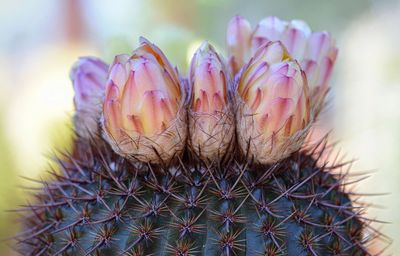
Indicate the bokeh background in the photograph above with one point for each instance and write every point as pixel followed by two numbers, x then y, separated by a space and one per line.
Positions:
pixel 41 39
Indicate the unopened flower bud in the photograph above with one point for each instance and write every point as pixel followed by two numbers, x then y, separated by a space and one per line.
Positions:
pixel 293 35
pixel 89 77
pixel 318 62
pixel 143 114
pixel 273 115
pixel 315 51
pixel 238 39
pixel 211 121
pixel 269 29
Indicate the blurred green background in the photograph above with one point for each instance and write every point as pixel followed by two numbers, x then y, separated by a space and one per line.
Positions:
pixel 41 39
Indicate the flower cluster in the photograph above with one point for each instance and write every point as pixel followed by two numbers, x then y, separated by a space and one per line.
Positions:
pixel 263 99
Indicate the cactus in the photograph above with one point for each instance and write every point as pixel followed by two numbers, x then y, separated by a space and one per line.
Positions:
pixel 211 165
pixel 102 204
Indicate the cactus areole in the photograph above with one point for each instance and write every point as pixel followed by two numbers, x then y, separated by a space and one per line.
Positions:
pixel 212 163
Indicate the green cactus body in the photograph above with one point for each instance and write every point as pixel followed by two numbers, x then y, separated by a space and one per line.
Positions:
pixel 102 204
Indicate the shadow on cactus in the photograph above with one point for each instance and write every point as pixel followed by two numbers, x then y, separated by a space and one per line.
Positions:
pixel 211 164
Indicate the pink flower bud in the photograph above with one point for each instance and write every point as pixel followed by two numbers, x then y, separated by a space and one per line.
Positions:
pixel 315 51
pixel 143 114
pixel 318 62
pixel 269 29
pixel 238 41
pixel 211 122
pixel 274 112
pixel 89 77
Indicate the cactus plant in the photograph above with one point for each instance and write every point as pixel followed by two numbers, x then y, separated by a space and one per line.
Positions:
pixel 215 164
